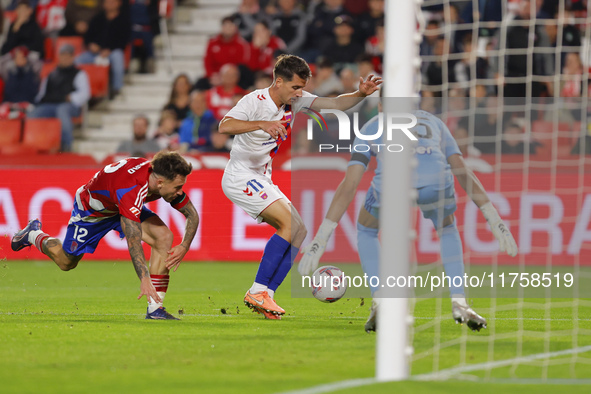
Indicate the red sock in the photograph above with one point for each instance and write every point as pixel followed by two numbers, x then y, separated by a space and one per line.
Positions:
pixel 39 241
pixel 160 282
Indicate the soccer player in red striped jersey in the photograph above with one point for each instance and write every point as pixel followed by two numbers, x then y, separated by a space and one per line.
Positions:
pixel 261 121
pixel 114 200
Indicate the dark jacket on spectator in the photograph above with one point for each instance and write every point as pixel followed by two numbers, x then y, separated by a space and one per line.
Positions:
pixel 291 29
pixel 60 83
pixel 114 34
pixel 343 53
pixel 29 35
pixel 21 84
pixel 320 30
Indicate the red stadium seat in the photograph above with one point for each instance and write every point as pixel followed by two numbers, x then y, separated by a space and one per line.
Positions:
pixel 98 77
pixel 49 49
pixel 46 69
pixel 43 135
pixel 75 41
pixel 10 132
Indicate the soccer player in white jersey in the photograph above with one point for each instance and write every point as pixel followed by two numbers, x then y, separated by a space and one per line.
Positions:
pixel 261 121
pixel 438 158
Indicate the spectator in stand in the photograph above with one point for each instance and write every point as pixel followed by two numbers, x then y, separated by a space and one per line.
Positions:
pixel 50 16
pixel 249 13
pixel 144 27
pixel 62 94
pixel 107 36
pixel 349 80
pixel 179 98
pixel 321 30
pixel 367 22
pixel 21 78
pixel 488 11
pixel 263 47
pixel 166 135
pixel 430 36
pixel 262 80
pixel 451 17
pixel 463 68
pixel 289 24
pixel 326 80
pixel 24 31
pixel 220 98
pixel 226 47
pixel 437 71
pixel 518 37
pixel 514 141
pixel 342 48
pixel 79 13
pixel 374 46
pixel 572 76
pixel 139 145
pixel 195 133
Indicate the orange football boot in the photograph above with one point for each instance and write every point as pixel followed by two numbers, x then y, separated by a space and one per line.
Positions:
pixel 263 303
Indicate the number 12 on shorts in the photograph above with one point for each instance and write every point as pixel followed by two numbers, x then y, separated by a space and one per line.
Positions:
pixel 80 233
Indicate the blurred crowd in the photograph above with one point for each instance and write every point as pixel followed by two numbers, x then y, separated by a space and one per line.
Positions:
pixel 524 54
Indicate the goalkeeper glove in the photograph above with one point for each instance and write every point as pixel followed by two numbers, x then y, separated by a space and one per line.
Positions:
pixel 314 251
pixel 499 229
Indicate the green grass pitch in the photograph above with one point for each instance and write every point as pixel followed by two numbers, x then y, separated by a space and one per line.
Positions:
pixel 83 331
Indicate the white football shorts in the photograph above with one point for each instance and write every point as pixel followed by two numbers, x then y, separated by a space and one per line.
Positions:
pixel 252 192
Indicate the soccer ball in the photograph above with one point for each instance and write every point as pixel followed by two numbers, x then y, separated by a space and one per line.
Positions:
pixel 328 284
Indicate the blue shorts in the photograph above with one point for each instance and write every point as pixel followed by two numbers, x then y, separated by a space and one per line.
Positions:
pixel 83 237
pixel 437 203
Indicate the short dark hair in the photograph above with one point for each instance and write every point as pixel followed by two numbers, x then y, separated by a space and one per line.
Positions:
pixel 170 164
pixel 288 65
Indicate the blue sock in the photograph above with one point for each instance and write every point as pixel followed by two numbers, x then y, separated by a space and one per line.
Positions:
pixel 284 267
pixel 272 257
pixel 368 245
pixel 452 256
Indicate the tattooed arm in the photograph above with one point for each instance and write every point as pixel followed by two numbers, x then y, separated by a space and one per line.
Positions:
pixel 177 253
pixel 133 234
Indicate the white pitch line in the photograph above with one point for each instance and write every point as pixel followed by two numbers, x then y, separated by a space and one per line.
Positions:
pixel 443 374
pixel 330 387
pixel 446 373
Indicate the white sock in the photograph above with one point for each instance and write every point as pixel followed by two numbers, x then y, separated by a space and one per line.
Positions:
pixel 153 305
pixel 33 236
pixel 460 299
pixel 257 288
pixel 271 293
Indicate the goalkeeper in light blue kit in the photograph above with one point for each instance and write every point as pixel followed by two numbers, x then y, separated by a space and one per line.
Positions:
pixel 439 158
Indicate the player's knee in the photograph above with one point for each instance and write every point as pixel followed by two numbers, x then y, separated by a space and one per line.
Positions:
pixel 68 265
pixel 299 230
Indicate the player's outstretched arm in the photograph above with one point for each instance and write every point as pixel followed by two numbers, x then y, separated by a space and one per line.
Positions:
pixel 133 234
pixel 348 100
pixel 338 206
pixel 274 128
pixel 475 190
pixel 177 253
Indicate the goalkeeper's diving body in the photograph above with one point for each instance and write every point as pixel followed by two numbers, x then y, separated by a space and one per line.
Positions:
pixel 439 159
